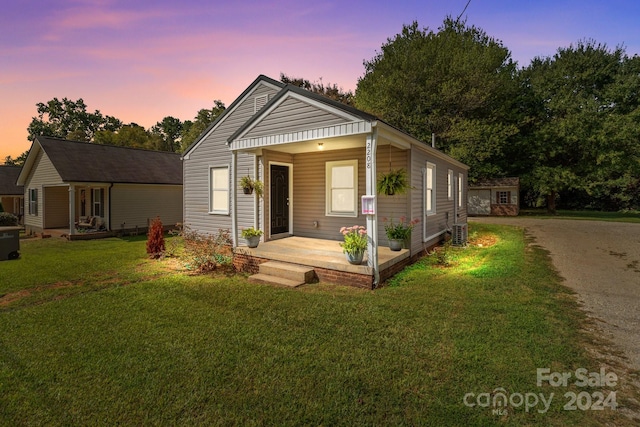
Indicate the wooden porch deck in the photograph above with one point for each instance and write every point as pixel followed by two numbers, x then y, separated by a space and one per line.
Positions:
pixel 325 256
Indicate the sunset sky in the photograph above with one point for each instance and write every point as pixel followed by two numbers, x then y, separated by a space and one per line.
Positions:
pixel 143 60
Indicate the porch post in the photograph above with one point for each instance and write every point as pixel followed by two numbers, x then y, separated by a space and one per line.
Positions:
pixel 234 199
pixel 372 220
pixel 72 209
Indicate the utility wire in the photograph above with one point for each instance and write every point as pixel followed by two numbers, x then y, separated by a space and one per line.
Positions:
pixel 463 10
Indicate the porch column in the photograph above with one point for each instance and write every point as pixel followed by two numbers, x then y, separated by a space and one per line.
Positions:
pixel 72 209
pixel 234 199
pixel 372 220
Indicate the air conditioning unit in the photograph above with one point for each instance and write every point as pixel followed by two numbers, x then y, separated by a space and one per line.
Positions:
pixel 459 237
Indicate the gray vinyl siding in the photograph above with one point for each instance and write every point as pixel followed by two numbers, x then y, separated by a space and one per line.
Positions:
pixel 293 115
pixel 211 152
pixel 309 200
pixel 135 205
pixel 42 173
pixel 443 219
pixel 309 192
pixel 56 207
pixel 393 207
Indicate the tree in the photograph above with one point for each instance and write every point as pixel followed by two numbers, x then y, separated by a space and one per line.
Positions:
pixel 331 91
pixel 191 130
pixel 457 83
pixel 69 119
pixel 18 161
pixel 584 142
pixel 131 135
pixel 170 132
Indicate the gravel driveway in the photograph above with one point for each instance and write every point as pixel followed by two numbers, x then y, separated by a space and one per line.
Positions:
pixel 601 262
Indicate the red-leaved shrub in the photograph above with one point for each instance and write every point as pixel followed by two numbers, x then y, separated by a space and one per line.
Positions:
pixel 155 239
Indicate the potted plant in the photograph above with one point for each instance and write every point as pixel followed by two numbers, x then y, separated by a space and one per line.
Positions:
pixel 398 232
pixel 252 235
pixel 355 243
pixel 393 182
pixel 249 185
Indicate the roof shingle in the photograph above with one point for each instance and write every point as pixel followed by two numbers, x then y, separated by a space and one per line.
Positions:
pixel 8 179
pixel 87 162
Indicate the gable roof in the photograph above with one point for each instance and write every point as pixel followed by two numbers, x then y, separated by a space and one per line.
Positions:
pixel 288 90
pixel 496 182
pixel 8 181
pixel 260 79
pixel 77 161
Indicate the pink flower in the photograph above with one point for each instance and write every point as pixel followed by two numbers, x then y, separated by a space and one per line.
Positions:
pixel 403 219
pixel 363 232
pixel 343 229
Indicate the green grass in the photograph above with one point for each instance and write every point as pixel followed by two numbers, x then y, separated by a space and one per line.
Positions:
pixel 584 215
pixel 134 342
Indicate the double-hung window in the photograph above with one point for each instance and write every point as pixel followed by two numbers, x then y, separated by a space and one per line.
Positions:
pixel 430 189
pixel 219 190
pixel 97 202
pixel 342 188
pixel 450 185
pixel 33 201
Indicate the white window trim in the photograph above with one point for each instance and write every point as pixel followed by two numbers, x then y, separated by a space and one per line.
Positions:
pixel 460 189
pixel 434 187
pixel 450 178
pixel 328 187
pixel 211 189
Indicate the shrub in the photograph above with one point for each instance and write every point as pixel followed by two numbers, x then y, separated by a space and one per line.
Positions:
pixel 155 239
pixel 206 252
pixel 8 219
pixel 251 232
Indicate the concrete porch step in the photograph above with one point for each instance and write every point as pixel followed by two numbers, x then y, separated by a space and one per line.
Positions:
pixel 282 273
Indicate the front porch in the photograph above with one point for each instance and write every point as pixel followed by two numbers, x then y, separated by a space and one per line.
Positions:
pixel 324 256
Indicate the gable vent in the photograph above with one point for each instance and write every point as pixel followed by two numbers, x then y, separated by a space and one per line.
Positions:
pixel 259 102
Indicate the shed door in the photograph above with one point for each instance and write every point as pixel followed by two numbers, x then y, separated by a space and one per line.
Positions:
pixel 479 202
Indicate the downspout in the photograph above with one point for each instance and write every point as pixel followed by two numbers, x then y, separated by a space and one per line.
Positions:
pixel 372 220
pixel 234 199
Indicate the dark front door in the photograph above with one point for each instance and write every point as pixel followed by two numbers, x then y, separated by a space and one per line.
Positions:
pixel 279 199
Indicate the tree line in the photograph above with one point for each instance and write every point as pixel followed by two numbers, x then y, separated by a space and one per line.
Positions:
pixel 568 125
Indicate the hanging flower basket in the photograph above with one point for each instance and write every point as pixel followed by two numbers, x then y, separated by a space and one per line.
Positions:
pixel 249 185
pixel 393 182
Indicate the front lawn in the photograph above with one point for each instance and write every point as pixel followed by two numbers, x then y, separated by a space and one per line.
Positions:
pixel 94 333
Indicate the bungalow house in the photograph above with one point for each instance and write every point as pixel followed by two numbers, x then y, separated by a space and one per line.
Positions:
pixel 11 194
pixel 494 196
pixel 319 161
pixel 82 187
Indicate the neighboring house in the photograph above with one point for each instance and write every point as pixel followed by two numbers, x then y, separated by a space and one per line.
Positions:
pixel 83 186
pixel 495 196
pixel 317 158
pixel 11 194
